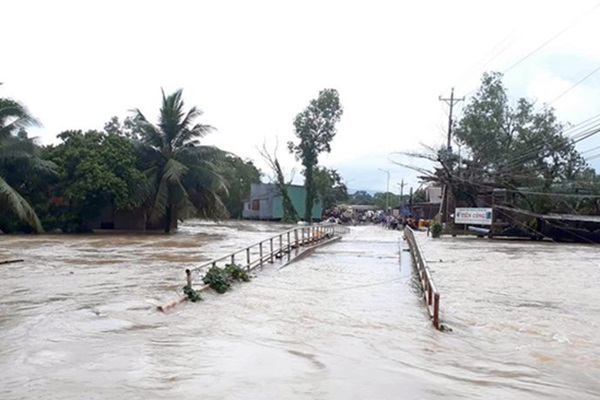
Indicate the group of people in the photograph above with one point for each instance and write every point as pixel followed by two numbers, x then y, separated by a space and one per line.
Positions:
pixel 397 222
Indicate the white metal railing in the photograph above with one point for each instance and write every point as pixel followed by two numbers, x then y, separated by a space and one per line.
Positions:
pixel 432 296
pixel 277 246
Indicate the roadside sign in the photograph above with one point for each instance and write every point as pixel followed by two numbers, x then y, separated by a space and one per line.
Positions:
pixel 475 216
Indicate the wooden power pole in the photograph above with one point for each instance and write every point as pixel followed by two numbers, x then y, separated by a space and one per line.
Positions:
pixel 446 190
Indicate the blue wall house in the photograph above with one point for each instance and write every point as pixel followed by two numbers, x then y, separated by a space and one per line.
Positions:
pixel 265 202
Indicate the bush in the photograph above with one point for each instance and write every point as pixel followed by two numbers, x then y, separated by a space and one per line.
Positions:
pixel 217 279
pixel 436 230
pixel 236 273
pixel 191 294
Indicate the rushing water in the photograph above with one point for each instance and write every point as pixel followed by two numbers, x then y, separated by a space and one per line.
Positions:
pixel 78 320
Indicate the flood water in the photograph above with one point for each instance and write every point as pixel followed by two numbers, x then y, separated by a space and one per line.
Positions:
pixel 78 319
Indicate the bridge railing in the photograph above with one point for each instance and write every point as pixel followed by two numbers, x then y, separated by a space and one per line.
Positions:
pixel 277 246
pixel 431 294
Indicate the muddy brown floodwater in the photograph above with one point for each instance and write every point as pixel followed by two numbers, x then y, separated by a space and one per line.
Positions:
pixel 78 320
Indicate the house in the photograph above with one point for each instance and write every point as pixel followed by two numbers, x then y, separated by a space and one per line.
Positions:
pixel 265 202
pixel 433 194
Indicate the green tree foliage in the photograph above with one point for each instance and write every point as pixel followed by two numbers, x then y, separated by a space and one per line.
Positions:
pixel 315 128
pixel 129 128
pixel 329 187
pixel 239 175
pixel 185 176
pixel 362 198
pixel 19 159
pixel 380 199
pixel 96 170
pixel 514 146
pixel 419 196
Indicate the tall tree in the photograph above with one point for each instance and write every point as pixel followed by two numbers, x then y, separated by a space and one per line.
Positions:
pixel 290 215
pixel 514 145
pixel 129 128
pixel 330 188
pixel 17 150
pixel 239 175
pixel 185 175
pixel 315 128
pixel 96 170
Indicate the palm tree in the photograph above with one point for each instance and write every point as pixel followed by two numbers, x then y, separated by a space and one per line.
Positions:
pixel 184 176
pixel 16 148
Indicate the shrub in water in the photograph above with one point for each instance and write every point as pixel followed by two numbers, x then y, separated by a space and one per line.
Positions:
pixel 436 230
pixel 236 273
pixel 217 279
pixel 191 294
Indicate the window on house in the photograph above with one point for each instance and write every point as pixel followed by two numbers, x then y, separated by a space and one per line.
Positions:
pixel 255 205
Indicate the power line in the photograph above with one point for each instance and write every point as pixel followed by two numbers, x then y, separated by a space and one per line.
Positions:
pixel 545 43
pixel 573 86
pixel 566 28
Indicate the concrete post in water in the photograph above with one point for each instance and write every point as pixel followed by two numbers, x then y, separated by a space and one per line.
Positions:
pixel 248 258
pixel 233 258
pixel 188 277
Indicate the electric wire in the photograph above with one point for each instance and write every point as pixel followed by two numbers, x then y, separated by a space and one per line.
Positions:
pixel 573 86
pixel 562 31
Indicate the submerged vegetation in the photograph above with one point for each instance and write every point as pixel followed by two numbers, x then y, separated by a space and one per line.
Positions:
pixel 220 279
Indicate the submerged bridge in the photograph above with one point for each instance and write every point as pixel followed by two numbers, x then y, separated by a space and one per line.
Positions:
pixel 297 243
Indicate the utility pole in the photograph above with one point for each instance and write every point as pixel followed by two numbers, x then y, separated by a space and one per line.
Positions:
pixel 445 202
pixel 387 193
pixel 402 189
pixel 451 102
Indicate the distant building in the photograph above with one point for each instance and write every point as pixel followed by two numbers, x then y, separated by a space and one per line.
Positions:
pixel 429 208
pixel 265 202
pixel 433 194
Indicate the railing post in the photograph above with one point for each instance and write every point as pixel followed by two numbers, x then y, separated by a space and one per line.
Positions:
pixel 289 249
pixel 271 246
pixel 281 246
pixel 233 258
pixel 436 311
pixel 248 258
pixel 302 234
pixel 428 293
pixel 260 251
pixel 296 240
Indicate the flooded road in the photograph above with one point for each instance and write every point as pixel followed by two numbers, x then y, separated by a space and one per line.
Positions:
pixel 78 320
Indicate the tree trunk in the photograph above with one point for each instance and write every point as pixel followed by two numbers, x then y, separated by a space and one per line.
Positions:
pixel 168 217
pixel 308 185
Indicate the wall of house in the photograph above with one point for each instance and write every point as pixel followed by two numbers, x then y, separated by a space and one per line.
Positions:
pixel 260 204
pixel 298 196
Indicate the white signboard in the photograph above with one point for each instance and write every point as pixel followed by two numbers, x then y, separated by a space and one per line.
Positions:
pixel 476 216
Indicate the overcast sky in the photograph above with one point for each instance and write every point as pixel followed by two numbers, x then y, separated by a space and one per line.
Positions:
pixel 253 65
